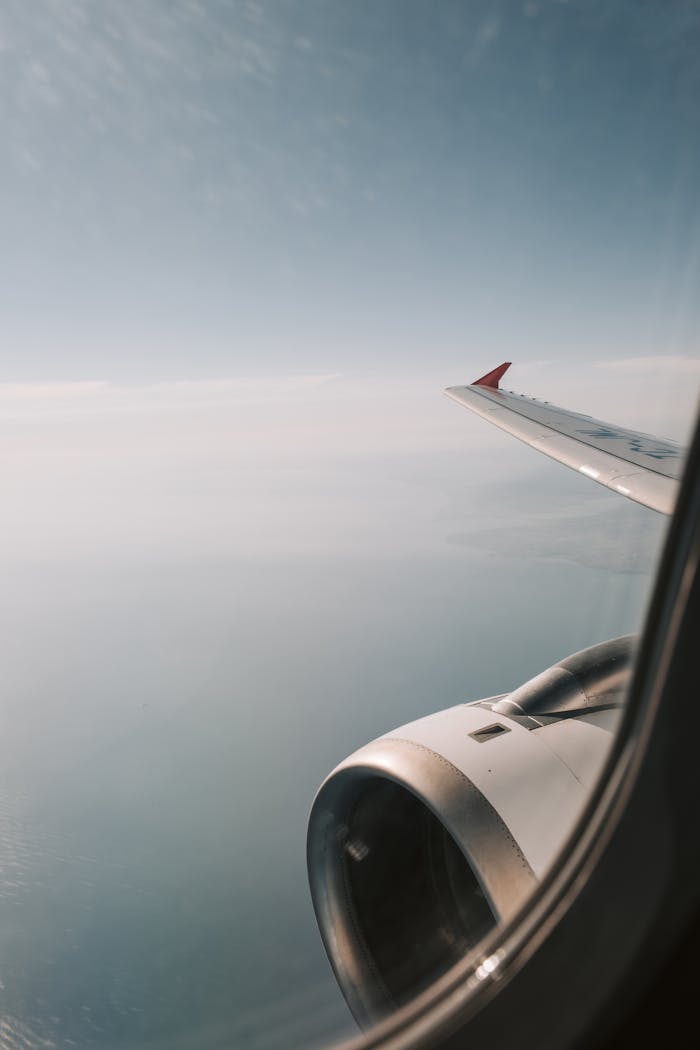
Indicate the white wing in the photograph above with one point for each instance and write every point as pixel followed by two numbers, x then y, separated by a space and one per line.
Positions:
pixel 643 468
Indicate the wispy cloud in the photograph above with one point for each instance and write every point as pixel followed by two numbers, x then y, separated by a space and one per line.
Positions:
pixel 66 391
pixel 675 364
pixel 100 396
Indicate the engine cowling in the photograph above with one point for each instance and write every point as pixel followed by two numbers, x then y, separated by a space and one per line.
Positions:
pixel 423 840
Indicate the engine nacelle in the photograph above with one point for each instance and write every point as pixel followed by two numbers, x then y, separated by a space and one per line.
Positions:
pixel 421 841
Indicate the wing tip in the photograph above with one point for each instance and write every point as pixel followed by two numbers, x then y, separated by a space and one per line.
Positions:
pixel 492 378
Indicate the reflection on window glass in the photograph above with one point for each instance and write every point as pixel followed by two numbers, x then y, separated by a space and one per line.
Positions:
pixel 246 247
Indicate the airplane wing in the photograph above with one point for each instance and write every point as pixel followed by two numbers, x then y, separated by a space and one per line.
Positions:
pixel 641 467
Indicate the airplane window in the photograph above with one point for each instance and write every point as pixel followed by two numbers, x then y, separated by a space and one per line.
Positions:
pixel 350 363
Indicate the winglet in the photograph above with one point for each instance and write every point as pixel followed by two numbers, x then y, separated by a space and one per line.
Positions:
pixel 491 378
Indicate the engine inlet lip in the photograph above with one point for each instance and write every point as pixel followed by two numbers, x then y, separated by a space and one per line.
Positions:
pixel 480 834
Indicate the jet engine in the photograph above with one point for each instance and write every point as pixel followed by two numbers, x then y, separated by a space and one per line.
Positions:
pixel 423 840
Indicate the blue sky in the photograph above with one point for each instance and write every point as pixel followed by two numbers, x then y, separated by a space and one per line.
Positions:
pixel 241 188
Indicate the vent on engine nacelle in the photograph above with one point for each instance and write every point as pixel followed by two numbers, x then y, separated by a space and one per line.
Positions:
pixel 489 732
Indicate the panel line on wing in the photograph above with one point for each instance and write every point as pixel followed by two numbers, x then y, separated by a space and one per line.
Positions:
pixel 667 450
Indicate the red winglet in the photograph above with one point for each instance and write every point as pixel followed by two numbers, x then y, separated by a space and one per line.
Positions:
pixel 491 378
